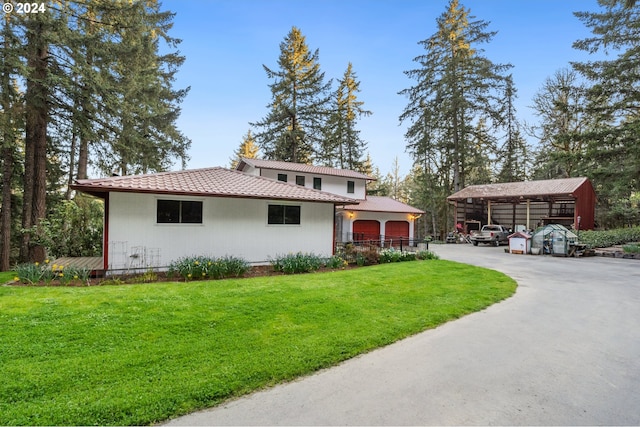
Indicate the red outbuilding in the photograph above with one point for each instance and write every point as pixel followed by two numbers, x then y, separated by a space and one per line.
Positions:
pixel 529 204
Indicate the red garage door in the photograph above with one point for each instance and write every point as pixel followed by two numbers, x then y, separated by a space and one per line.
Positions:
pixel 366 230
pixel 394 229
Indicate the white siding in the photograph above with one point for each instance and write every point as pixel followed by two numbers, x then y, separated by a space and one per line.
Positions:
pixel 231 226
pixel 330 184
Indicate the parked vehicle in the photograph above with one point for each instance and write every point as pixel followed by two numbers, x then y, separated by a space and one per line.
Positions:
pixel 491 234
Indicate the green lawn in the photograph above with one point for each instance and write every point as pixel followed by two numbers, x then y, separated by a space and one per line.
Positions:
pixel 6 276
pixel 140 354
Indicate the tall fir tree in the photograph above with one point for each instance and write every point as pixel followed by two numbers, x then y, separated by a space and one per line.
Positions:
pixel 248 149
pixel 11 128
pixel 455 87
pixel 342 146
pixel 514 154
pixel 560 106
pixel 145 107
pixel 294 127
pixel 83 106
pixel 479 163
pixel 377 187
pixel 612 157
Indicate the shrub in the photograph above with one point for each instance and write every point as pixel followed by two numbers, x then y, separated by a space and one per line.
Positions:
pixel 147 277
pixel 29 273
pixel 201 267
pixel 44 273
pixel 368 256
pixel 426 255
pixel 72 228
pixel 335 262
pixel 234 267
pixel 296 263
pixel 394 255
pixel 631 249
pixel 606 238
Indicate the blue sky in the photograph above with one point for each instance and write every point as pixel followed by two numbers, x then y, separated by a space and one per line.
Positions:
pixel 226 43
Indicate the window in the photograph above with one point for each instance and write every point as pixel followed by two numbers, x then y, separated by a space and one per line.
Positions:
pixel 179 212
pixel 351 187
pixel 282 177
pixel 300 180
pixel 284 214
pixel 317 183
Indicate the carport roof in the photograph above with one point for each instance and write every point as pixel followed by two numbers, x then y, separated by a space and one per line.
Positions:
pixel 543 190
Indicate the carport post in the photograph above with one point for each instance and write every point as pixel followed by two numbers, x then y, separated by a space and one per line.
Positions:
pixel 528 206
pixel 488 211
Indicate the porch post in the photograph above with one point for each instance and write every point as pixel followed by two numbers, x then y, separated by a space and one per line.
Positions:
pixel 528 217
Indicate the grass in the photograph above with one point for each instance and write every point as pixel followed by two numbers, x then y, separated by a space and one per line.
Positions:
pixel 6 276
pixel 141 354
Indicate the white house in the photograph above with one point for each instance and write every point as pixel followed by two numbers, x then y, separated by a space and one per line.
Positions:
pixel 151 220
pixel 373 218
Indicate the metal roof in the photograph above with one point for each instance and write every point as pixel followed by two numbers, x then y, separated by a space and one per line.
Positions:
pixel 302 168
pixel 383 204
pixel 541 190
pixel 211 182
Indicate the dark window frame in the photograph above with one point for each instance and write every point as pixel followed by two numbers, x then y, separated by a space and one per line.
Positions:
pixel 283 177
pixel 284 214
pixel 351 187
pixel 317 183
pixel 300 180
pixel 169 211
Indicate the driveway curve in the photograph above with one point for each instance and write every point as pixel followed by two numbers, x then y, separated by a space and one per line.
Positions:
pixel 564 350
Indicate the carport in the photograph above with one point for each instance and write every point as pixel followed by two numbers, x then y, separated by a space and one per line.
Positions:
pixel 569 202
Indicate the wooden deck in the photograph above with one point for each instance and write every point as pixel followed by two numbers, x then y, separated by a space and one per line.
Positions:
pixel 94 264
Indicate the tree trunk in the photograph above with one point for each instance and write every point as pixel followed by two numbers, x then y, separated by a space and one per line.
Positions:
pixel 35 180
pixel 7 155
pixel 5 216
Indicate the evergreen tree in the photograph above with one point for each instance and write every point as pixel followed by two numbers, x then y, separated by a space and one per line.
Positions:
pixel 514 152
pixel 294 127
pixel 342 146
pixel 11 127
pixel 377 187
pixel 247 149
pixel 40 29
pixel 455 86
pixel 396 183
pixel 144 107
pixel 479 167
pixel 560 106
pixel 612 145
pixel 90 71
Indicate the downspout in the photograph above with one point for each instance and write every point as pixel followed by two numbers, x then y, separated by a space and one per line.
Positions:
pixel 333 249
pixel 105 235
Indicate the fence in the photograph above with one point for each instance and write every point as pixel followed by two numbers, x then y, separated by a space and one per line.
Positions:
pixel 361 244
pixel 382 241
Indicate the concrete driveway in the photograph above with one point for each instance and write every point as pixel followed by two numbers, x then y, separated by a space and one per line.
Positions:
pixel 564 350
